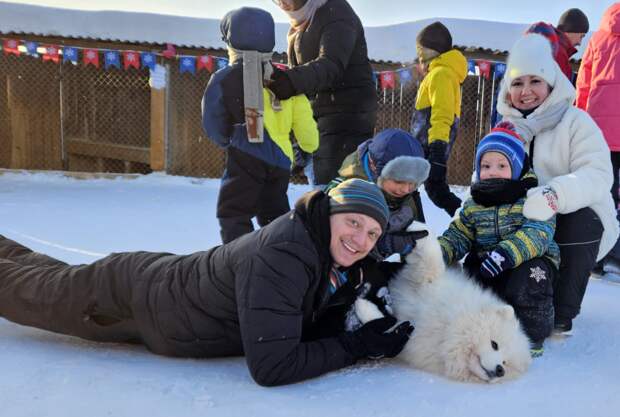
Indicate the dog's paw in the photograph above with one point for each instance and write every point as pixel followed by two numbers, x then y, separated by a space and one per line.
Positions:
pixel 366 311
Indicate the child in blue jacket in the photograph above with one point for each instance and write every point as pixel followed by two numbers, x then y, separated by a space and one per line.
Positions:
pixel 514 256
pixel 254 127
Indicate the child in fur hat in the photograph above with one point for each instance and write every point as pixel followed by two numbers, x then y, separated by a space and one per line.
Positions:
pixel 515 256
pixel 394 160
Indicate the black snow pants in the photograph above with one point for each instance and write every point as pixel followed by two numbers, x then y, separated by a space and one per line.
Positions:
pixel 94 302
pixel 250 187
pixel 339 135
pixel 579 236
pixel 528 288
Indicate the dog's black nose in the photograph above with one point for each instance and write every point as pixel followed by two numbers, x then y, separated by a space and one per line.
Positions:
pixel 499 371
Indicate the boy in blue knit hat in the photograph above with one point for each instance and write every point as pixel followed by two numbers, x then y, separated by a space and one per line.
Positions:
pixel 514 256
pixel 393 160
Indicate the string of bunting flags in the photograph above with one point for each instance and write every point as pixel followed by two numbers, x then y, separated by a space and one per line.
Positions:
pixel 111 58
pixel 192 64
pixel 388 79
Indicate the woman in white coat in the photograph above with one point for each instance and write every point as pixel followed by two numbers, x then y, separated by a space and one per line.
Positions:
pixel 571 158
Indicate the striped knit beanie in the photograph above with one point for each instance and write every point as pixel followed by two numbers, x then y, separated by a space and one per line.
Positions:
pixel 359 196
pixel 507 142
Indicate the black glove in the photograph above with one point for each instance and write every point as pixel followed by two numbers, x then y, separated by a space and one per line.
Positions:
pixel 281 84
pixel 437 156
pixel 399 242
pixel 494 264
pixel 373 340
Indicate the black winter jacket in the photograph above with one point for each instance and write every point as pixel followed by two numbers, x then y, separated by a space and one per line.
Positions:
pixel 256 296
pixel 330 62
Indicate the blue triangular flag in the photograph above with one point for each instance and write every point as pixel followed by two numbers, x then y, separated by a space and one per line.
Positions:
pixel 187 64
pixel 31 48
pixel 500 69
pixel 471 66
pixel 374 78
pixel 405 76
pixel 69 54
pixel 148 60
pixel 222 63
pixel 111 59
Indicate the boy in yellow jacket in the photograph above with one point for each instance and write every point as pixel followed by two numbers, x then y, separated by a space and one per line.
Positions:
pixel 438 108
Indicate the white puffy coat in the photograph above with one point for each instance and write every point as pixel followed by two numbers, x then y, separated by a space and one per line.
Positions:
pixel 573 158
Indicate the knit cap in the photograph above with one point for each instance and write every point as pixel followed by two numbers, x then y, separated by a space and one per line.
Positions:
pixel 389 144
pixel 435 36
pixel 359 196
pixel 531 55
pixel 573 21
pixel 503 139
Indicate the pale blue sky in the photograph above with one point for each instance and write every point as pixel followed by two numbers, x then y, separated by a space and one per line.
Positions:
pixel 372 12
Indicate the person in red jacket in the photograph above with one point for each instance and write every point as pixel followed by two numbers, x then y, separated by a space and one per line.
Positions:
pixel 565 37
pixel 598 88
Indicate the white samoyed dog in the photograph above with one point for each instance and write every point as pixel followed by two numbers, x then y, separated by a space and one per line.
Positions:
pixel 461 330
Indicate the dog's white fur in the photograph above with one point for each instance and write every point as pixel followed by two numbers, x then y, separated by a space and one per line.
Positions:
pixel 461 331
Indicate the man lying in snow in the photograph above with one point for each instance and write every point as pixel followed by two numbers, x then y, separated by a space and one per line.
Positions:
pixel 261 295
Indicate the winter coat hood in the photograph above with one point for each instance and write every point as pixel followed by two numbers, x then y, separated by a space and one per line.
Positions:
pixel 454 60
pixel 611 19
pixel 249 29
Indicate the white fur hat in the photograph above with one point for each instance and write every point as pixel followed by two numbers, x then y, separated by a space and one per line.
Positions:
pixel 406 168
pixel 531 55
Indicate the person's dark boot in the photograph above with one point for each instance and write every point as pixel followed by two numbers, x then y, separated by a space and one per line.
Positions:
pixel 563 327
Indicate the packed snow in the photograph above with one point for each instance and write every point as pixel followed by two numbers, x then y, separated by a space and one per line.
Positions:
pixel 45 374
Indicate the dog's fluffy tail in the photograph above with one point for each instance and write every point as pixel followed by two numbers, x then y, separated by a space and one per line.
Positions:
pixel 426 259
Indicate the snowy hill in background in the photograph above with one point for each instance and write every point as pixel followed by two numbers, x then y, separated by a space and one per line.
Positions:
pixel 385 43
pixel 48 375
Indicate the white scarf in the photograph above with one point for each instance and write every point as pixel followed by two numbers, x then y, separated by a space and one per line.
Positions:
pixel 301 18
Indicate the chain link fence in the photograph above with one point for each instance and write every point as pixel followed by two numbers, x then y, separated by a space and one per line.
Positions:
pixel 82 118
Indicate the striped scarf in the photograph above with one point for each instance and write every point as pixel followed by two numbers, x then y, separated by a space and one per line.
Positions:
pixel 336 279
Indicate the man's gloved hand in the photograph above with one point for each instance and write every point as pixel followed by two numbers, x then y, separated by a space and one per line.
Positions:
pixel 399 242
pixel 281 84
pixel 541 203
pixel 437 156
pixel 494 264
pixel 374 341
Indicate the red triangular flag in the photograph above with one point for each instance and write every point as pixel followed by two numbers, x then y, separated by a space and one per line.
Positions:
pixel 131 59
pixel 387 79
pixel 206 62
pixel 484 67
pixel 170 51
pixel 91 56
pixel 51 54
pixel 11 46
pixel 280 65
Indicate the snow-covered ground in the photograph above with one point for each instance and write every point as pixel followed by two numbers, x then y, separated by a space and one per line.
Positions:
pixel 44 374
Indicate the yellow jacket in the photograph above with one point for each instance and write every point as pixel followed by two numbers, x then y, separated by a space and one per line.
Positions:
pixel 296 115
pixel 440 92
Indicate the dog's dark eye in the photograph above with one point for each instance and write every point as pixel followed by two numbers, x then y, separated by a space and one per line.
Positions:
pixel 494 345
